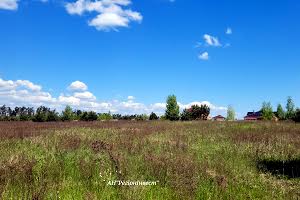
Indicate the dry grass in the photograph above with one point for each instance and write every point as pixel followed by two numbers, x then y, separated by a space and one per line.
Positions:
pixel 191 160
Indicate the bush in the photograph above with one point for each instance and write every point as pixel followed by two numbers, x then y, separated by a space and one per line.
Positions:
pixel 297 116
pixel 142 117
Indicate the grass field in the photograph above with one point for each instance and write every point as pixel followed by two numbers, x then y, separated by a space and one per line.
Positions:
pixel 186 160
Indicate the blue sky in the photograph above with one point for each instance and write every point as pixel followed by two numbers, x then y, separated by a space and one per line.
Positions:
pixel 132 54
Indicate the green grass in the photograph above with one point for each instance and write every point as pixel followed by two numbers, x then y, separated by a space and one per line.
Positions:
pixel 190 160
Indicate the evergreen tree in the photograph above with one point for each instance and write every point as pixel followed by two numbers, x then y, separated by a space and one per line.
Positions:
pixel 172 111
pixel 280 112
pixel 153 116
pixel 67 114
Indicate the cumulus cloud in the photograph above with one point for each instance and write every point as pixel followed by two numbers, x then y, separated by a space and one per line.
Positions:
pixel 84 95
pixel 78 86
pixel 9 4
pixel 211 40
pixel 12 85
pixel 111 14
pixel 26 93
pixel 204 56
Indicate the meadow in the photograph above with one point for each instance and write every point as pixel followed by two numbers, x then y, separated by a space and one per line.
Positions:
pixel 186 160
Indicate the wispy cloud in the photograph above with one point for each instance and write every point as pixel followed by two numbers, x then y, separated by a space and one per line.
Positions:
pixel 211 40
pixel 228 31
pixel 9 4
pixel 204 56
pixel 112 14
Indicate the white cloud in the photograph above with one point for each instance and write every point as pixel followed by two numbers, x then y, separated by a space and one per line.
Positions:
pixel 112 14
pixel 228 31
pixel 78 86
pixel 130 98
pixel 12 85
pixel 84 95
pixel 26 93
pixel 203 56
pixel 211 106
pixel 211 40
pixel 9 4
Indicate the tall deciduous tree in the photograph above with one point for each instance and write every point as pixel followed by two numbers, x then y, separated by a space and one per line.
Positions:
pixel 290 108
pixel 230 113
pixel 172 111
pixel 267 111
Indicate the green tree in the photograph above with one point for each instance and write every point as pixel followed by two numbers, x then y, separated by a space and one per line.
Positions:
pixel 290 108
pixel 53 116
pixel 84 116
pixel 297 115
pixel 92 116
pixel 105 116
pixel 41 114
pixel 172 111
pixel 195 113
pixel 267 111
pixel 153 116
pixel 67 114
pixel 186 115
pixel 230 114
pixel 280 112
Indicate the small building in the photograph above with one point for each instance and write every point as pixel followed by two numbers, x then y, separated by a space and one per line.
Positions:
pixel 253 116
pixel 219 118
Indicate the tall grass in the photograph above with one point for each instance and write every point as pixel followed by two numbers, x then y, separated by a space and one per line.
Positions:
pixel 188 160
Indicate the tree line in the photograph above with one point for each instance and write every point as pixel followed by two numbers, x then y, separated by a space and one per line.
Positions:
pixel 290 112
pixel 45 114
pixel 172 113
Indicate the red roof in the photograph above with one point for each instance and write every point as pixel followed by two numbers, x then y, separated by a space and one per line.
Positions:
pixel 219 117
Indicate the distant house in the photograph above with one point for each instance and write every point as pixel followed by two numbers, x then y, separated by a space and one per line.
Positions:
pixel 253 116
pixel 218 118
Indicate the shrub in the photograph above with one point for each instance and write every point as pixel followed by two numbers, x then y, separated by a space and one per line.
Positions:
pixel 297 115
pixel 142 117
